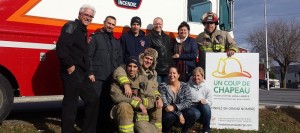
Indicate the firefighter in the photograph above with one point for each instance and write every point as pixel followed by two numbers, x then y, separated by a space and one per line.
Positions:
pixel 148 74
pixel 213 40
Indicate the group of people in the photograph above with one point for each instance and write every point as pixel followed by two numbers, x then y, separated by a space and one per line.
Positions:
pixel 140 83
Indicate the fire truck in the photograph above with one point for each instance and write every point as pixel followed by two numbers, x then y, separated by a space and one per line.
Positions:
pixel 29 30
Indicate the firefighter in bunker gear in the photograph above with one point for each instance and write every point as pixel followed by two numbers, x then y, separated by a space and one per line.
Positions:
pixel 213 40
pixel 128 111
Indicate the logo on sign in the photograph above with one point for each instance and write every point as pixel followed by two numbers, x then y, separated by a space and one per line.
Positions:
pixel 230 67
pixel 130 4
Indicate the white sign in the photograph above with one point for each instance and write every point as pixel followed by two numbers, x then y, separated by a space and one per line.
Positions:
pixel 234 84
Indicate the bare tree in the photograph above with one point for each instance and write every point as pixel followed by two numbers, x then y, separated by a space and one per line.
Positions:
pixel 283 43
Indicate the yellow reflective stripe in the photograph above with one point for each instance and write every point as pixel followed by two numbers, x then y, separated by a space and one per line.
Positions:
pixel 145 102
pixel 140 117
pixel 122 80
pixel 203 48
pixel 235 49
pixel 220 47
pixel 134 103
pixel 156 92
pixel 126 128
pixel 158 125
pixel 216 47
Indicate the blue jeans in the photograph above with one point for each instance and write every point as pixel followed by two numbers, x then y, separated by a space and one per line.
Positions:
pixel 203 114
pixel 170 118
pixel 162 78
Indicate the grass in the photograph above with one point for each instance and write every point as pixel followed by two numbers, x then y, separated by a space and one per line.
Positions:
pixel 285 120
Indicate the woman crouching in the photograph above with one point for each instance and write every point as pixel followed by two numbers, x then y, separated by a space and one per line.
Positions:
pixel 201 98
pixel 176 97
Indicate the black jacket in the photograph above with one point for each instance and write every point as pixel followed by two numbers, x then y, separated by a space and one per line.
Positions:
pixel 105 55
pixel 72 46
pixel 162 44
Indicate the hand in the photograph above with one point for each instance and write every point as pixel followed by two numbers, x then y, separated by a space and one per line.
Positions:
pixel 127 90
pixel 203 101
pixel 169 108
pixel 71 69
pixel 143 108
pixel 159 103
pixel 230 53
pixel 175 56
pixel 92 78
pixel 181 119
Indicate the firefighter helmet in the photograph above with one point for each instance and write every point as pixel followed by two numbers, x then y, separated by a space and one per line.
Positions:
pixel 210 17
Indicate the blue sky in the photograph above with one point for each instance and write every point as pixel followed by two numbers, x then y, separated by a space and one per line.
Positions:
pixel 249 14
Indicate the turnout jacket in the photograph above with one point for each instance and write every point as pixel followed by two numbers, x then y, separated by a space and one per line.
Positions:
pixel 146 87
pixel 218 41
pixel 105 54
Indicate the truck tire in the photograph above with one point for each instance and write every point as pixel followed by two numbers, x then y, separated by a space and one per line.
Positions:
pixel 6 98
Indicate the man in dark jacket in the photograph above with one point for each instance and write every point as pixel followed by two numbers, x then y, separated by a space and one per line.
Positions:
pixel 105 55
pixel 72 51
pixel 161 42
pixel 134 41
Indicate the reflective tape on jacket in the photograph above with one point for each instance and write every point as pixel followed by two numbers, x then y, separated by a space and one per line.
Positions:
pixel 123 79
pixel 134 103
pixel 145 102
pixel 156 93
pixel 158 125
pixel 213 47
pixel 140 117
pixel 126 128
pixel 219 48
pixel 235 49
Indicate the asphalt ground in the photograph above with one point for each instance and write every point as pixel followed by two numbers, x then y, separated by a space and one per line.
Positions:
pixel 273 98
pixel 279 98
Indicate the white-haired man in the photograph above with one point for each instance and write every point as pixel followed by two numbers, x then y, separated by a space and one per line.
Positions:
pixel 72 51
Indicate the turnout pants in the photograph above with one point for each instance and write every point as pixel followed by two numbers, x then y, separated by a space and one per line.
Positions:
pixel 130 121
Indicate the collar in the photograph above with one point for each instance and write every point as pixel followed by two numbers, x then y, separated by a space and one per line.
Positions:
pixel 178 39
pixel 210 34
pixel 103 30
pixel 195 86
pixel 141 33
pixel 155 33
pixel 81 25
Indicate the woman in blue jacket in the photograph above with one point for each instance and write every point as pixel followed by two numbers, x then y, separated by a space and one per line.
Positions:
pixel 185 52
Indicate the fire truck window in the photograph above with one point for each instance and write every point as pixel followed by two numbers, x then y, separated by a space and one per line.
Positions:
pixel 224 15
pixel 196 8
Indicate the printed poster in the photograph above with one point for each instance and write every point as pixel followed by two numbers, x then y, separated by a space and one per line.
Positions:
pixel 234 85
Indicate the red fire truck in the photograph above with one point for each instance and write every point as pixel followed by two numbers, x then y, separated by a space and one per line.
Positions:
pixel 29 30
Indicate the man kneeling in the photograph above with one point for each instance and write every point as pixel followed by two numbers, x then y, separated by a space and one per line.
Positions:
pixel 131 112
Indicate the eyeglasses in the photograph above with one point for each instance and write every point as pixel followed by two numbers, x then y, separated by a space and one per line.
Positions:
pixel 87 15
